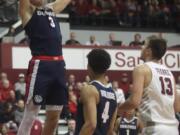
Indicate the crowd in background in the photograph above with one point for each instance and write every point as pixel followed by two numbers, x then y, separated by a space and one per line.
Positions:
pixel 8 11
pixel 136 13
pixel 12 100
pixel 125 13
pixel 111 41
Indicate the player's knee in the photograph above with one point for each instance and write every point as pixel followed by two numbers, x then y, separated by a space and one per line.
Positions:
pixel 52 118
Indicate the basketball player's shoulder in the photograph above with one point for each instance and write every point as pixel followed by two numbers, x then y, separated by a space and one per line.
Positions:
pixel 88 89
pixel 141 69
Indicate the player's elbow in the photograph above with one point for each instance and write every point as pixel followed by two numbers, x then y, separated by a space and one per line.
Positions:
pixel 91 126
pixel 135 103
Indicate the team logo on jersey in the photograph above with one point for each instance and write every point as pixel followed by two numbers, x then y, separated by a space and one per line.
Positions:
pixel 38 98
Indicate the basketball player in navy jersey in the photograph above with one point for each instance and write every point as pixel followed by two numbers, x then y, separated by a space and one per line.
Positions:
pixel 45 76
pixel 128 124
pixel 97 107
pixel 154 91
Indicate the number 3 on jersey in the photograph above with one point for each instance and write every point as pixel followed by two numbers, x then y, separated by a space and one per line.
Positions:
pixel 52 24
pixel 105 114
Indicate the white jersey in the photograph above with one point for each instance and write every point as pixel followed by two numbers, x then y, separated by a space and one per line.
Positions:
pixel 157 105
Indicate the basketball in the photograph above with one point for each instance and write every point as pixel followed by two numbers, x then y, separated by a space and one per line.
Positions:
pixel 36 2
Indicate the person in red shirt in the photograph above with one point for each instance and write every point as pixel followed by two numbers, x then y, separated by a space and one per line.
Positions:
pixel 72 103
pixel 94 12
pixel 3 76
pixel 124 83
pixel 5 91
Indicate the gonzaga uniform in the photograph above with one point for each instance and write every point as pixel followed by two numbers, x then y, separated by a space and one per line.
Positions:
pixel 45 76
pixel 105 109
pixel 128 127
pixel 157 105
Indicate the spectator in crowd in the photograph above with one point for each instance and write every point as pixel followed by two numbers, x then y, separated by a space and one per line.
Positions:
pixel 72 103
pixel 92 41
pixel 3 76
pixel 106 11
pixel 5 129
pixel 20 87
pixel 94 12
pixel 137 41
pixel 12 97
pixel 19 111
pixel 118 11
pixel 12 128
pixel 127 13
pixel 5 90
pixel 119 92
pixel 112 41
pixel 7 113
pixel 87 79
pixel 160 35
pixel 81 11
pixel 11 10
pixel 71 80
pixel 72 40
pixel 107 79
pixel 124 83
pixel 131 8
pixel 2 12
pixel 77 89
pixel 71 127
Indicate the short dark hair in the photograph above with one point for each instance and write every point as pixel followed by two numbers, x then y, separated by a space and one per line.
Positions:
pixel 158 46
pixel 99 60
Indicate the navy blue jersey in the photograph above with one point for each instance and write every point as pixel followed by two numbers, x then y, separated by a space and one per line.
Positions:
pixel 128 127
pixel 44 33
pixel 105 109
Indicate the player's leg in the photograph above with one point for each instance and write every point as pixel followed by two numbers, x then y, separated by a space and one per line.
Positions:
pixel 31 110
pixel 30 113
pixel 52 117
pixel 55 99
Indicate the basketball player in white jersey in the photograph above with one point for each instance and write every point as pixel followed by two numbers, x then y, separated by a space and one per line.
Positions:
pixel 154 91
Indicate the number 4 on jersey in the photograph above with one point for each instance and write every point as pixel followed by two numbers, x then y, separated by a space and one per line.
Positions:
pixel 105 114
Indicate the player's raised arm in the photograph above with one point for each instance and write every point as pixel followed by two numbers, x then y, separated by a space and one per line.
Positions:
pixel 136 94
pixel 59 5
pixel 89 100
pixel 25 11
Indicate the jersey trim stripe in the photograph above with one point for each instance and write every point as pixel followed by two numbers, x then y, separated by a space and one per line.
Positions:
pixel 53 58
pixel 31 84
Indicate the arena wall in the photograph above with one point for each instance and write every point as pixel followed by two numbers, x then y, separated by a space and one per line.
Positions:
pixel 14 60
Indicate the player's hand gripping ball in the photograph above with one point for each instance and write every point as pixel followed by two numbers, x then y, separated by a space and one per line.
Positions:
pixel 36 3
